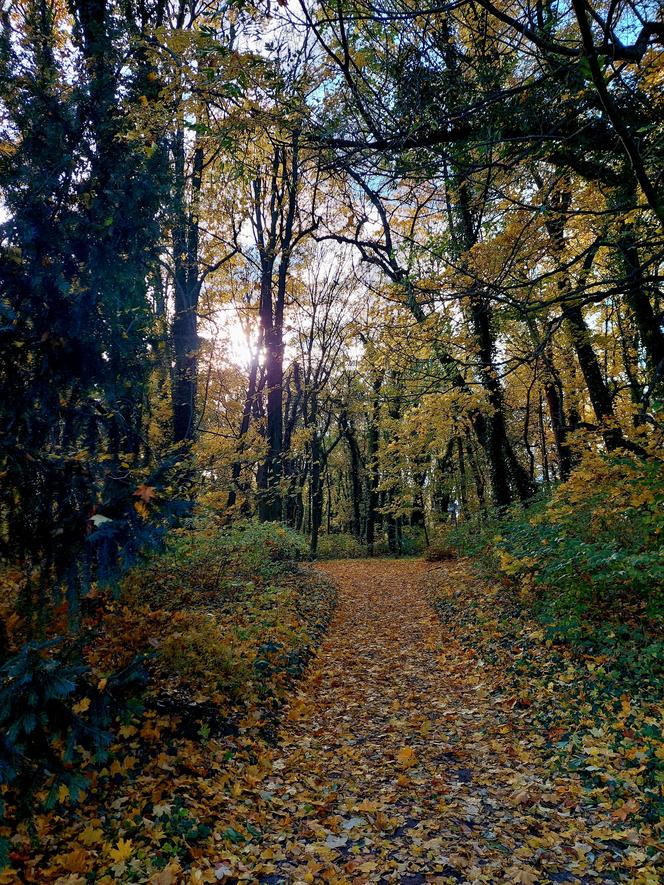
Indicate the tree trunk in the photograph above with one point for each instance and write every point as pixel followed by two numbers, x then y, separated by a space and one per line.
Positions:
pixel 553 393
pixel 500 455
pixel 236 469
pixel 316 492
pixel 355 474
pixel 600 396
pixel 463 483
pixel 636 295
pixel 187 291
pixel 372 459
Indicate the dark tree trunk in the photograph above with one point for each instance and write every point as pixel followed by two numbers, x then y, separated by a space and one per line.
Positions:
pixel 355 474
pixel 294 406
pixel 553 392
pixel 236 469
pixel 636 295
pixel 442 471
pixel 600 396
pixel 477 474
pixel 187 286
pixel 277 239
pixel 491 431
pixel 543 449
pixel 500 455
pixel 185 349
pixel 598 391
pixel 372 460
pixel 274 359
pixel 463 483
pixel 316 492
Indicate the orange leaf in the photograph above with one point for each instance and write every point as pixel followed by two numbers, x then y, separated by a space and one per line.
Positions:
pixel 406 757
pixel 145 493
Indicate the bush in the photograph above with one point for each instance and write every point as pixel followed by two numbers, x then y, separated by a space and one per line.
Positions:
pixel 198 654
pixel 473 538
pixel 413 541
pixel 208 561
pixel 340 546
pixel 52 713
pixel 441 546
pixel 262 544
pixel 595 548
pixel 589 557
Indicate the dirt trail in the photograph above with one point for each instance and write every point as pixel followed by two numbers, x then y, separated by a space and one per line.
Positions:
pixel 396 765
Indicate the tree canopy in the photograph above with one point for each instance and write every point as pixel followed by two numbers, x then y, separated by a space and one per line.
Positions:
pixel 371 273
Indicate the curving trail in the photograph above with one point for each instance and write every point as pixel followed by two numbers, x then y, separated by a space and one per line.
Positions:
pixel 396 762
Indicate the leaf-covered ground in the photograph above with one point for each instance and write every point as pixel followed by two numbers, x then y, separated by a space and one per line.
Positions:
pixel 413 751
pixel 407 758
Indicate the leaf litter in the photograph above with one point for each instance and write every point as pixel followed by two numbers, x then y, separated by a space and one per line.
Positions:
pixel 401 760
pixel 407 754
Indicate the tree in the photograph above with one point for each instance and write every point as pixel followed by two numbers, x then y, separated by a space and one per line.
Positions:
pixel 84 194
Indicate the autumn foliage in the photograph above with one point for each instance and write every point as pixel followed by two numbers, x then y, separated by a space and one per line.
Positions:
pixel 352 282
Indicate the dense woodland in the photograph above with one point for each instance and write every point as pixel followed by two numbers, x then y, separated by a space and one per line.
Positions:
pixel 297 279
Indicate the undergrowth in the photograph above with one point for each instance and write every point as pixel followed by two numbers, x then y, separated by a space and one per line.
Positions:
pixel 566 599
pixel 174 677
pixel 590 556
pixel 340 545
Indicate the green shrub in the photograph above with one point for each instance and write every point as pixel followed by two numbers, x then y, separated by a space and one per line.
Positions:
pixel 441 545
pixel 198 655
pixel 51 713
pixel 413 541
pixel 595 548
pixel 206 561
pixel 340 546
pixel 473 538
pixel 261 545
pixel 591 551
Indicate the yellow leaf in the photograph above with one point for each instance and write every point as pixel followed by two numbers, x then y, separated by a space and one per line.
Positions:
pixel 523 875
pixel 168 876
pixel 91 836
pixel 366 805
pixel 82 705
pixel 122 851
pixel 76 861
pixel 127 731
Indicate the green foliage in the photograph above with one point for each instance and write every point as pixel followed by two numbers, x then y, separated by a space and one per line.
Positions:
pixel 51 717
pixel 594 548
pixel 182 828
pixel 206 560
pixel 413 541
pixel 472 537
pixel 197 653
pixel 77 254
pixel 265 547
pixel 340 546
pixel 589 560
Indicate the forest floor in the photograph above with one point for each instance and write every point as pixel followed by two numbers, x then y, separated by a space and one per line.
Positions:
pixel 407 758
pixel 438 735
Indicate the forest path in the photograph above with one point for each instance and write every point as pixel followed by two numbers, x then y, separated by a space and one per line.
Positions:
pixel 396 765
